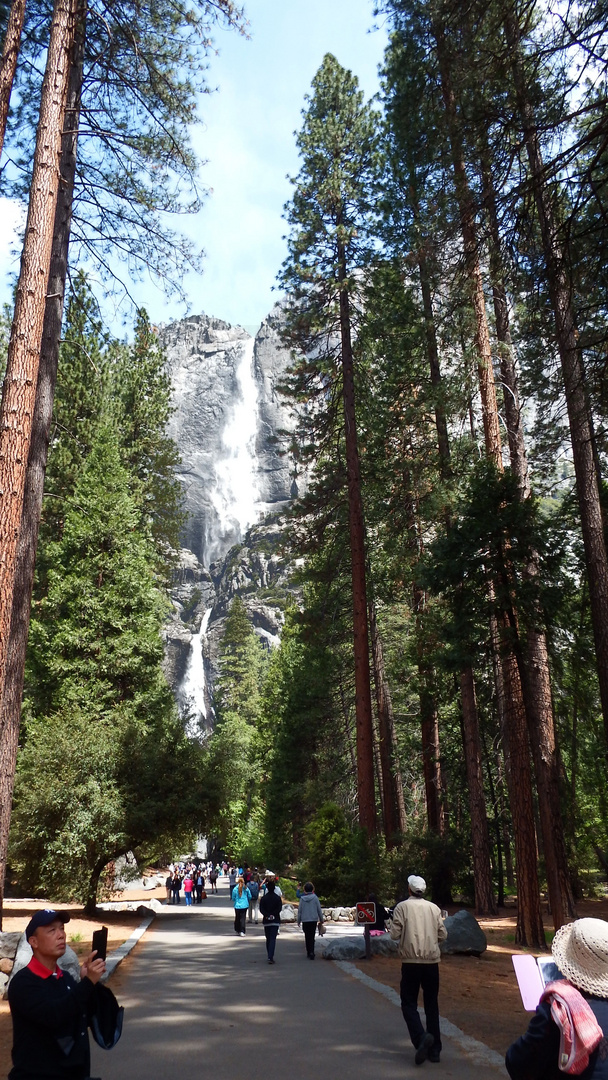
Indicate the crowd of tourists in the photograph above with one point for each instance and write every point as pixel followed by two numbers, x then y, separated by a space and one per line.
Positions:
pixel 191 878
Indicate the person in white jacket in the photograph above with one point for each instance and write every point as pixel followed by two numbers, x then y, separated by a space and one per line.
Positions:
pixel 309 915
pixel 418 927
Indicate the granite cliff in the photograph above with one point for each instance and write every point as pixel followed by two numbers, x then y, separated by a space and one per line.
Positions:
pixel 231 426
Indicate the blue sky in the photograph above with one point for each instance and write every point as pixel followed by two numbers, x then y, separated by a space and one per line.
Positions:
pixel 246 137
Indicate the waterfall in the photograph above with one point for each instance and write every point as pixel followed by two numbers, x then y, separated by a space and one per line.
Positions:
pixel 191 693
pixel 236 494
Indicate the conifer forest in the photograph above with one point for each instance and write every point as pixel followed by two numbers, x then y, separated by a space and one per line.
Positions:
pixel 439 694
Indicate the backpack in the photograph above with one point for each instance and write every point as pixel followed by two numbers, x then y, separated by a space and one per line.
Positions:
pixel 254 889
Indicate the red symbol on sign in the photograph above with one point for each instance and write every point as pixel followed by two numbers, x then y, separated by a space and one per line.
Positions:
pixel 366 913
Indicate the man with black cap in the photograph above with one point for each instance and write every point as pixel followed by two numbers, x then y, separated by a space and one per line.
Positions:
pixel 418 927
pixel 50 1010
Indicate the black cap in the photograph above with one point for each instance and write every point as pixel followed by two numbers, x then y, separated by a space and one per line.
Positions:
pixel 44 918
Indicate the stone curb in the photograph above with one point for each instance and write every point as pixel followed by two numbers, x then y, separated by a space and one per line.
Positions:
pixel 116 958
pixel 477 1051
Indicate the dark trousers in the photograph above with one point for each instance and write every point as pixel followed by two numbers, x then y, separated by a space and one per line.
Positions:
pixel 270 933
pixel 414 976
pixel 310 929
pixel 240 920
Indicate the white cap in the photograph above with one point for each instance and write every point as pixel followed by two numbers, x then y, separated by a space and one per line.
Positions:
pixel 417 884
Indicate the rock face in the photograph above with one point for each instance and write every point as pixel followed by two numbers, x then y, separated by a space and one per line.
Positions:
pixel 204 355
pixel 231 426
pixel 464 935
pixel 271 361
pixel 222 380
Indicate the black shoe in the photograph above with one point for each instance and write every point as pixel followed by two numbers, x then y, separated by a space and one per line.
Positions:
pixel 434 1056
pixel 271 961
pixel 423 1049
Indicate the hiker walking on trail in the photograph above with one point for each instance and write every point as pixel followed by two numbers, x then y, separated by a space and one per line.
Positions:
pixel 240 898
pixel 270 906
pixel 254 904
pixel 176 886
pixel 418 928
pixel 188 886
pixel 213 876
pixel 309 916
pixel 569 1032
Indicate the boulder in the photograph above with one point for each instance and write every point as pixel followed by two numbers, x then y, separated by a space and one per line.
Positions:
pixel 288 914
pixel 6 965
pixel 464 935
pixel 336 914
pixel 383 946
pixel 3 984
pixel 353 947
pixel 344 948
pixel 148 906
pixel 70 962
pixel 9 941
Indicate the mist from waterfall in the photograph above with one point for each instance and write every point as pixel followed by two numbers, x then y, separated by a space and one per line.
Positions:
pixel 236 493
pixel 191 694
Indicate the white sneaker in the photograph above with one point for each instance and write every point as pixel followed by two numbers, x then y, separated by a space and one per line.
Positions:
pixel 242 934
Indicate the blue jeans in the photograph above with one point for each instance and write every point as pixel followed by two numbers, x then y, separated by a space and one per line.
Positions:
pixel 270 932
pixel 188 896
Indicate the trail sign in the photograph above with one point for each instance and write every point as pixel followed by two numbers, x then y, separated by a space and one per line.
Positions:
pixel 366 914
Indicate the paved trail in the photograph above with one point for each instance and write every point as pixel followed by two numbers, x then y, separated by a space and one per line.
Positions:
pixel 196 991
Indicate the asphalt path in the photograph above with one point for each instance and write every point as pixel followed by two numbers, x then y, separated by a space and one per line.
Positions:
pixel 200 1000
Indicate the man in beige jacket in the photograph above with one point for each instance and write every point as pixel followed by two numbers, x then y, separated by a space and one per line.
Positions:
pixel 418 927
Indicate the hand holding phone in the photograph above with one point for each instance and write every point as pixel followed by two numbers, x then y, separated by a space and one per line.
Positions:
pixel 100 942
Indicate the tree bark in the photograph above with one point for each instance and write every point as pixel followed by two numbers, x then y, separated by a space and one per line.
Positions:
pixel 8 64
pixel 581 434
pixel 529 919
pixel 429 723
pixel 480 841
pixel 480 834
pixel 19 388
pixel 363 700
pixel 10 701
pixel 535 659
pixel 529 930
pixel 392 783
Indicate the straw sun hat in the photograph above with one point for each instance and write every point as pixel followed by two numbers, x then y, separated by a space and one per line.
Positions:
pixel 580 950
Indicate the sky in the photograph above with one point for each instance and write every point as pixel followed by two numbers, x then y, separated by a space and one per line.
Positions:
pixel 247 139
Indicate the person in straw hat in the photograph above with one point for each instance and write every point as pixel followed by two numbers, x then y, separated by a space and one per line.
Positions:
pixel 569 1030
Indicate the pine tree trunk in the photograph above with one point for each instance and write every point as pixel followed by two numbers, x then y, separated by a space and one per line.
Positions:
pixel 484 896
pixel 529 921
pixel 19 388
pixel 480 834
pixel 560 291
pixel 8 64
pixel 363 699
pixel 429 724
pixel 535 660
pixel 443 442
pixel 392 784
pixel 529 930
pixel 10 702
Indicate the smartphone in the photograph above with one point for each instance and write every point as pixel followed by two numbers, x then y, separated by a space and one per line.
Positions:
pixel 100 942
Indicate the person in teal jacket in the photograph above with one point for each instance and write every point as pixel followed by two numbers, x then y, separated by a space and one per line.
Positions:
pixel 240 898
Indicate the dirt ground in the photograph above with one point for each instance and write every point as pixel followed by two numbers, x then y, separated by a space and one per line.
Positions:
pixel 480 995
pixel 79 931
